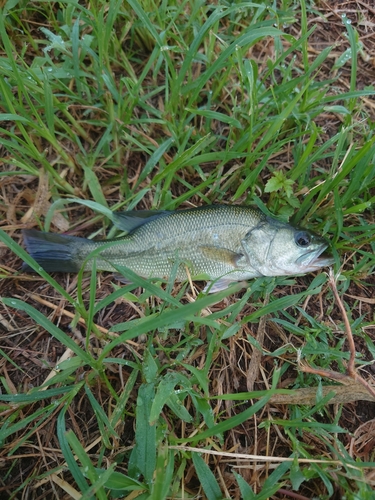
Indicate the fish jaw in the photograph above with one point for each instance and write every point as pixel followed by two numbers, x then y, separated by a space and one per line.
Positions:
pixel 315 259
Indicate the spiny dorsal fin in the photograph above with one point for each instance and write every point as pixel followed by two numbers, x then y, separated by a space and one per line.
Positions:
pixel 128 221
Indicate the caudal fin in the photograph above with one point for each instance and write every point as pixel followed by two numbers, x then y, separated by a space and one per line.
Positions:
pixel 54 252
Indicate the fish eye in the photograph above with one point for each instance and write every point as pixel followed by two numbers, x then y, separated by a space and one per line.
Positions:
pixel 302 239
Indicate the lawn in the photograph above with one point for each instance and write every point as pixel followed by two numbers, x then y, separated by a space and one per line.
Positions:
pixel 153 389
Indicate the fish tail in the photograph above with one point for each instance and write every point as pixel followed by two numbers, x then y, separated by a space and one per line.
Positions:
pixel 54 252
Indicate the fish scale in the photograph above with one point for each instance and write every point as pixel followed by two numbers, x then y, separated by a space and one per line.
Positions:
pixel 218 242
pixel 173 237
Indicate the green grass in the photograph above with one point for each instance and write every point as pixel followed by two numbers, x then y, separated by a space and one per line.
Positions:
pixel 162 105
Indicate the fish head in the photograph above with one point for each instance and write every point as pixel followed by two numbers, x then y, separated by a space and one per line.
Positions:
pixel 277 249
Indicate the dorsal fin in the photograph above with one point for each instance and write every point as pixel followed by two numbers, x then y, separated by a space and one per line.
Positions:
pixel 128 221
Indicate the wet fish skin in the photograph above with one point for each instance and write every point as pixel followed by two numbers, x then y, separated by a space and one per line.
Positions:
pixel 220 243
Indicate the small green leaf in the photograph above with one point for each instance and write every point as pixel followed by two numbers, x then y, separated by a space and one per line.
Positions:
pixel 209 484
pixel 174 403
pixel 337 109
pixel 120 482
pixel 150 367
pixel 56 41
pixel 67 452
pixel 296 475
pixel 245 488
pixel 94 185
pixel 279 182
pixel 165 395
pixel 164 474
pixel 143 457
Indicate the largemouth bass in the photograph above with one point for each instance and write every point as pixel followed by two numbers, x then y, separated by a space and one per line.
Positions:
pixel 217 243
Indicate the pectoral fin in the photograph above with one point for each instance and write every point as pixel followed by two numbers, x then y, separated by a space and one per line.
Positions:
pixel 219 254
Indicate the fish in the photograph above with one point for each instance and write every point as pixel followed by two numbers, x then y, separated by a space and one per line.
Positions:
pixel 221 244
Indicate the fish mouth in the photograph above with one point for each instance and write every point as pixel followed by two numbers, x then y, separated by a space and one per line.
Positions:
pixel 315 259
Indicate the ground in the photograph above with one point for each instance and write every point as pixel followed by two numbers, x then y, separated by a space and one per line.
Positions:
pixel 314 327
